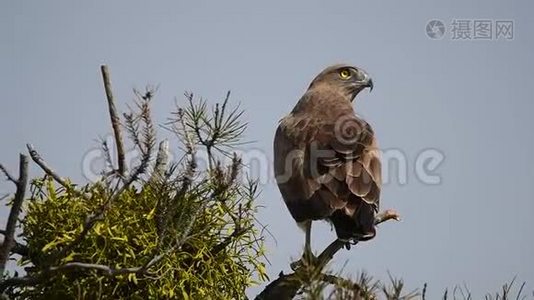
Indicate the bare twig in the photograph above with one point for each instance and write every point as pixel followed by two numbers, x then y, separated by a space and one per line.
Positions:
pixel 36 157
pixel 9 235
pixel 115 120
pixel 7 174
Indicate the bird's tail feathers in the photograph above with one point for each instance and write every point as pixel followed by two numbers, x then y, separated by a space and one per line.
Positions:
pixel 358 226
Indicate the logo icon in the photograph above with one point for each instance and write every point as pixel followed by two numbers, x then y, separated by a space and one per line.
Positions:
pixel 435 29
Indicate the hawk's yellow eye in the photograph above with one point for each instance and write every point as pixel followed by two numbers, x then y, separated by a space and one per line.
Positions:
pixel 345 74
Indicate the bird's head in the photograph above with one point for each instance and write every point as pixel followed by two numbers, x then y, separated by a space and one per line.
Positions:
pixel 344 78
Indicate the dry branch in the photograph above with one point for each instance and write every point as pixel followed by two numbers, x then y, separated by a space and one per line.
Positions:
pixel 98 215
pixel 286 286
pixel 36 157
pixel 115 120
pixel 18 248
pixel 9 234
pixel 7 174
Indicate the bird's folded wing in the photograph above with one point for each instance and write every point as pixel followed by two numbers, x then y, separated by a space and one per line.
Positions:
pixel 344 158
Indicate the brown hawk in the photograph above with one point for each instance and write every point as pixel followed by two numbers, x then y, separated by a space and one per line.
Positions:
pixel 326 158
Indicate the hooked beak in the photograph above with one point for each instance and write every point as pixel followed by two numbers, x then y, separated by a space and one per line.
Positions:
pixel 370 84
pixel 366 81
pixel 363 80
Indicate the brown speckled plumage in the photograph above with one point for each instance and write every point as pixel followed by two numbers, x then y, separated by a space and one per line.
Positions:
pixel 327 162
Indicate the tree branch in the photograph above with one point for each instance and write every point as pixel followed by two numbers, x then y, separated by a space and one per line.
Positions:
pixel 109 271
pixel 18 248
pixel 38 278
pixel 284 287
pixel 9 235
pixel 7 174
pixel 18 281
pixel 36 157
pixel 115 120
pixel 287 286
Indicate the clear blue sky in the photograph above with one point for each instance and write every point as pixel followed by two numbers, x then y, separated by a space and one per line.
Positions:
pixel 469 99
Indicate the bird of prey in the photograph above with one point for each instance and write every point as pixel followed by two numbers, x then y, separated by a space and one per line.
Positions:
pixel 326 158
